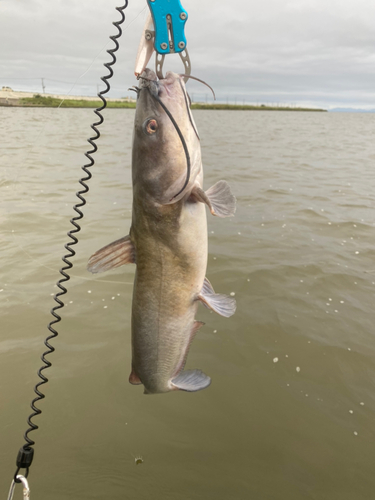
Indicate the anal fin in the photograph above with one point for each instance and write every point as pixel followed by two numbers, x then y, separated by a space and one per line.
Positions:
pixel 221 304
pixel 196 326
pixel 116 254
pixel 218 198
pixel 191 381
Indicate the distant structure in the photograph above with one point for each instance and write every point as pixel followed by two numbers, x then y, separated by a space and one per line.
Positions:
pixel 6 89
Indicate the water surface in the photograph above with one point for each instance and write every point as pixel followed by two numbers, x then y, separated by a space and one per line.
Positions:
pixel 291 409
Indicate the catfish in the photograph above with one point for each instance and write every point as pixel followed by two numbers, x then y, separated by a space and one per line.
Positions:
pixel 168 238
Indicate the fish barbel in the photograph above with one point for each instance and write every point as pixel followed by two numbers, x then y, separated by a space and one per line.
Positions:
pixel 168 238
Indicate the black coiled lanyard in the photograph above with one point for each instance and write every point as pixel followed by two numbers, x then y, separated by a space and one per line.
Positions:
pixel 26 452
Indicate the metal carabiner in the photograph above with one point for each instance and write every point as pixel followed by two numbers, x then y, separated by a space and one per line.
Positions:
pixel 26 489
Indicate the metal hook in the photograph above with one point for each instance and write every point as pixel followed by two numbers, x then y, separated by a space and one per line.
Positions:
pixel 26 489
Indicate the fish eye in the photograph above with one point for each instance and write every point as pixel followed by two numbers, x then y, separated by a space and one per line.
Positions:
pixel 150 126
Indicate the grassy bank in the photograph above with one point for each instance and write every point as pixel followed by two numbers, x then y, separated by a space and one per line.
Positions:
pixel 251 107
pixel 52 102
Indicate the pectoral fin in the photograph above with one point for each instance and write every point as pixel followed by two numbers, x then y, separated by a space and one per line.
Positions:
pixel 218 198
pixel 221 304
pixel 191 381
pixel 115 254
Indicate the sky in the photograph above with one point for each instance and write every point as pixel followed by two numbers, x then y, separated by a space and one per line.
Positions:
pixel 317 53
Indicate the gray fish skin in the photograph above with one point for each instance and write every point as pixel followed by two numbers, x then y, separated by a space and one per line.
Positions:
pixel 169 236
pixel 167 240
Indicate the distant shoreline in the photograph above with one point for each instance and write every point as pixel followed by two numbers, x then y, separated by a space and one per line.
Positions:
pixel 10 98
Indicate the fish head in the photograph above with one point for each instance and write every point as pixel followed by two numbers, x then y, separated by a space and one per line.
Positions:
pixel 166 147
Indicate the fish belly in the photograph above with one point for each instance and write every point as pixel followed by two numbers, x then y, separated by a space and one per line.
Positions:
pixel 171 267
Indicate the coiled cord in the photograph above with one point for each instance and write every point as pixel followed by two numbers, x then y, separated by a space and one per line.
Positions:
pixel 25 454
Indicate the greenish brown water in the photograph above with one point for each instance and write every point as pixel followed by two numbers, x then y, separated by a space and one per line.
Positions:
pixel 291 410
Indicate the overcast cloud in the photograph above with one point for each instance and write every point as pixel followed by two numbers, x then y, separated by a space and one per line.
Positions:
pixel 308 52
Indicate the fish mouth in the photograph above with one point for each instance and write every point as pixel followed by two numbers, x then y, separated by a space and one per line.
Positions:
pixel 148 74
pixel 159 88
pixel 149 80
pixel 167 90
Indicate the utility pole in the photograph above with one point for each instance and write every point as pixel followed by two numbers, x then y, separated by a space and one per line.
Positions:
pixel 43 86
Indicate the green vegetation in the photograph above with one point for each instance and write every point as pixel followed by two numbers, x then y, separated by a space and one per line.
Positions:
pixel 52 102
pixel 250 107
